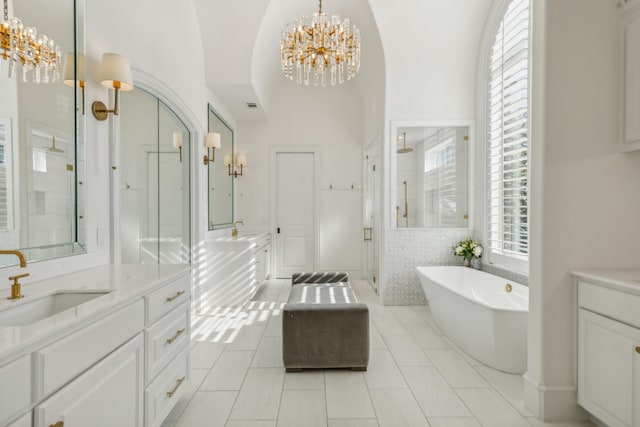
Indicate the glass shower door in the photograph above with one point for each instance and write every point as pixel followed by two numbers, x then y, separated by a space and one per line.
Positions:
pixel 372 215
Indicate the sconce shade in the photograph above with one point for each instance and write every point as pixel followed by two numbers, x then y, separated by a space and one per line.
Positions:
pixel 177 140
pixel 115 72
pixel 213 140
pixel 70 65
pixel 227 159
pixel 241 160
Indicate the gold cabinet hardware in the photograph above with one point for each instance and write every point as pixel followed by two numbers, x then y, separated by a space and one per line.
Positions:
pixel 508 287
pixel 178 383
pixel 175 337
pixel 638 349
pixel 58 424
pixel 169 299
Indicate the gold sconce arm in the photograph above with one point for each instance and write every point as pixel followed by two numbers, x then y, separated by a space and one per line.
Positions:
pixel 100 111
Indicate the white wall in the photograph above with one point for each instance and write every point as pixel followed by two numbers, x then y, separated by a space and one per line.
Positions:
pixel 430 52
pixel 584 190
pixel 331 119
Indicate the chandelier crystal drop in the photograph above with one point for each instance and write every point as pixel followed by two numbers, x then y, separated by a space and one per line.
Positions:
pixel 38 55
pixel 320 50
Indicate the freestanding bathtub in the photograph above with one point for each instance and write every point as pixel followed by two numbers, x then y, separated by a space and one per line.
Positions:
pixel 477 312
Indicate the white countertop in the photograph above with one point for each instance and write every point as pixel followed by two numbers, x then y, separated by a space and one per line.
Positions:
pixel 126 283
pixel 622 280
pixel 242 237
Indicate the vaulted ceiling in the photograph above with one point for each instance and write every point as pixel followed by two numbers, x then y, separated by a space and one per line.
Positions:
pixel 241 42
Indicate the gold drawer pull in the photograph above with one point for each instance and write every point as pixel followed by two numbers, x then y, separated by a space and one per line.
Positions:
pixel 175 337
pixel 178 383
pixel 58 424
pixel 638 349
pixel 169 299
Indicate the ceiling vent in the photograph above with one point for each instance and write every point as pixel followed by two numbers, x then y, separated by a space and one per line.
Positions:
pixel 252 105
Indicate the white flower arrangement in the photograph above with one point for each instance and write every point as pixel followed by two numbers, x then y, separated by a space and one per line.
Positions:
pixel 468 249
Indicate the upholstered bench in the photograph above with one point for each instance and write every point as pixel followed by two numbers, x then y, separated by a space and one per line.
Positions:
pixel 324 325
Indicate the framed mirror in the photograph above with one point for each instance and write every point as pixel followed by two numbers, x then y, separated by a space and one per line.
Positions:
pixel 220 174
pixel 42 159
pixel 430 175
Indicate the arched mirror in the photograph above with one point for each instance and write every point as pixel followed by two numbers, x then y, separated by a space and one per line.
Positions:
pixel 220 173
pixel 430 175
pixel 154 182
pixel 42 159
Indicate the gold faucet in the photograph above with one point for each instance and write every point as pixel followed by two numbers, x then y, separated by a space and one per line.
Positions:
pixel 15 287
pixel 234 230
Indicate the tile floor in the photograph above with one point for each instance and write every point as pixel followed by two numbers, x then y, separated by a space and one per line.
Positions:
pixel 416 377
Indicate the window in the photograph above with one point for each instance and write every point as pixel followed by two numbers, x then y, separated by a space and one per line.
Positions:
pixel 508 140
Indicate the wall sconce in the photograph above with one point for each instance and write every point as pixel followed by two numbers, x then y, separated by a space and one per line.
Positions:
pixel 115 73
pixel 214 141
pixel 240 162
pixel 177 143
pixel 74 71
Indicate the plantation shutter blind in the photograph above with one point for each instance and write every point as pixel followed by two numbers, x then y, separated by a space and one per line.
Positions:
pixel 508 138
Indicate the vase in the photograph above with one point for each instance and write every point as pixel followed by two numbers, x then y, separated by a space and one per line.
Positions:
pixel 469 263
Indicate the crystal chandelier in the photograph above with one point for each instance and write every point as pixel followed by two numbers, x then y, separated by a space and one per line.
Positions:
pixel 38 54
pixel 320 49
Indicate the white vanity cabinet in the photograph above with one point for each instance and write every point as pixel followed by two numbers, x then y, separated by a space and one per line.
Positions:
pixel 233 270
pixel 167 349
pixel 119 362
pixel 15 387
pixel 262 256
pixel 108 394
pixel 609 350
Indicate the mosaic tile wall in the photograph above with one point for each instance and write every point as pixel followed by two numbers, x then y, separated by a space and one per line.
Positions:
pixel 406 249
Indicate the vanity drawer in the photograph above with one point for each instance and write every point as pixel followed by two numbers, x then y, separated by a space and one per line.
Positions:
pixel 611 303
pixel 165 339
pixel 166 390
pixel 15 388
pixel 63 360
pixel 167 298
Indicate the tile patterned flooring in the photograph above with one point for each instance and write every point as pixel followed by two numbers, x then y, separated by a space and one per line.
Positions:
pixel 416 376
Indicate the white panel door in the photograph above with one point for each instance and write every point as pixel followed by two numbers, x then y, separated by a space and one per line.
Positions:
pixel 295 208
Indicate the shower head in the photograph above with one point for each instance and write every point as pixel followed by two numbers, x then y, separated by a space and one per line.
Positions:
pixel 404 148
pixel 53 148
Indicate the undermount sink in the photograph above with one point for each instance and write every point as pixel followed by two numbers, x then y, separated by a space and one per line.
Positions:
pixel 27 312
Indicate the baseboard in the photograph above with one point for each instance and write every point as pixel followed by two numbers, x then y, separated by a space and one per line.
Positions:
pixel 552 402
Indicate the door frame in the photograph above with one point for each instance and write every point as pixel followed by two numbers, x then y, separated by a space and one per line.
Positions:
pixel 275 150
